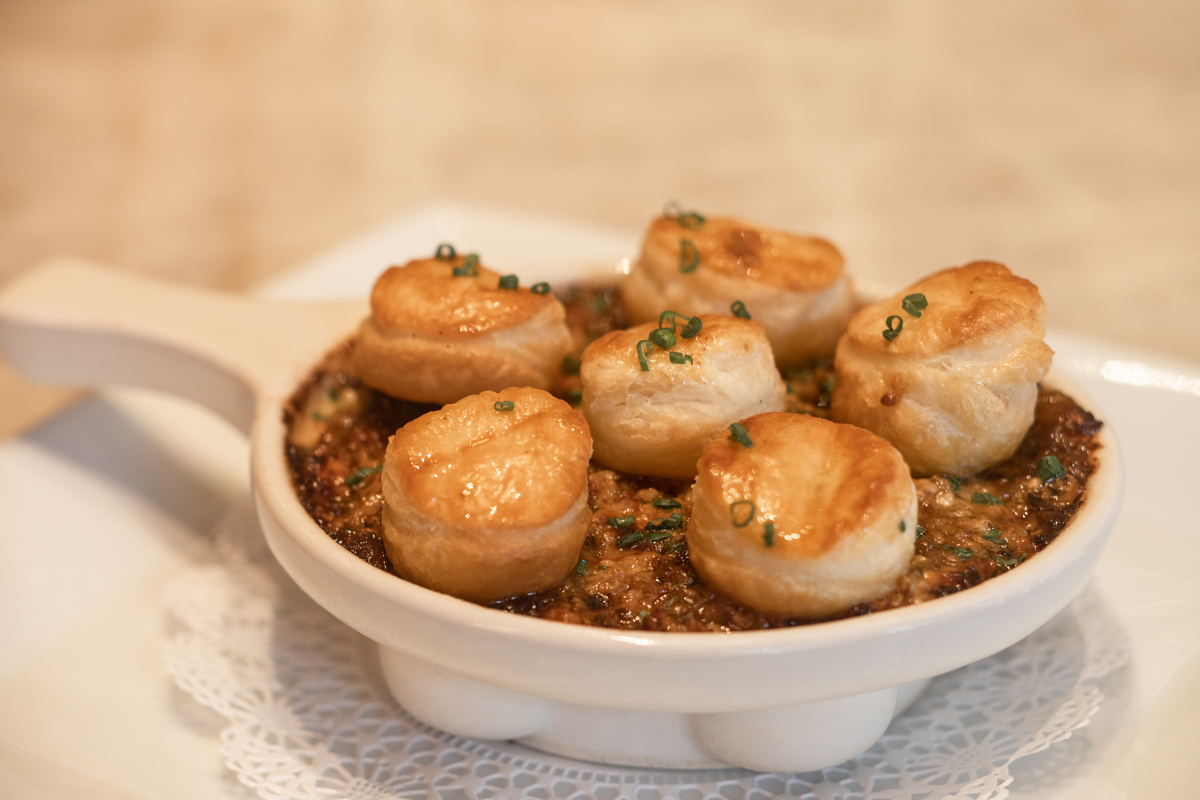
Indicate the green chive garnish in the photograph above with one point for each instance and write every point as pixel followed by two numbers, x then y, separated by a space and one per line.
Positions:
pixel 469 268
pixel 828 384
pixel 630 539
pixel 334 394
pixel 902 526
pixel 914 304
pixel 681 358
pixel 954 482
pixel 620 522
pixel 1050 469
pixel 738 309
pixel 983 498
pixel 689 256
pixel 741 513
pixel 671 547
pixel 644 348
pixel 503 405
pixel 963 553
pixel 665 502
pixel 692 328
pixel 318 416
pixel 692 220
pixel 666 523
pixel 657 535
pixel 581 567
pixel 738 433
pixel 920 532
pixel 1010 562
pixel 769 534
pixel 445 252
pixel 894 326
pixel 360 475
pixel 663 337
pixel 570 364
pixel 509 282
pixel 672 600
pixel 540 288
pixel 993 535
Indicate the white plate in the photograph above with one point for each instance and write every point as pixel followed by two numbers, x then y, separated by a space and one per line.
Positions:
pixel 107 500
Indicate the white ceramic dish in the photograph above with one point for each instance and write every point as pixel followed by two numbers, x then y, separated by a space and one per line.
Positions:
pixel 786 700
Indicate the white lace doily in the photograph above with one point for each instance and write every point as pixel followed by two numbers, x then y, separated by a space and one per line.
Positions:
pixel 310 716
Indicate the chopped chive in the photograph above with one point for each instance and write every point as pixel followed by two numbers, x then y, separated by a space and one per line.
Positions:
pixel 994 536
pixel 671 547
pixel 665 502
pixel 540 288
pixel 914 304
pixel 642 352
pixel 681 358
pixel 739 507
pixel 769 534
pixel 334 394
pixel 902 526
pixel 503 405
pixel 954 482
pixel 360 475
pixel 984 498
pixel 469 268
pixel 692 220
pixel 318 416
pixel 737 432
pixel 630 539
pixel 657 535
pixel 1050 469
pixel 620 522
pixel 581 567
pixel 828 384
pixel 642 615
pixel 509 282
pixel 570 364
pixel 663 337
pixel 574 395
pixel 689 256
pixel 666 523
pixel 692 328
pixel 672 600
pixel 445 252
pixel 1010 562
pixel 920 532
pixel 738 309
pixel 662 319
pixel 963 553
pixel 894 326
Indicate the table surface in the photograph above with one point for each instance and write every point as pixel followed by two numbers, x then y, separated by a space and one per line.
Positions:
pixel 220 143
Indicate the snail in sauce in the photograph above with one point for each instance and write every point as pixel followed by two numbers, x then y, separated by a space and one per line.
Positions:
pixel 486 498
pixel 946 370
pixel 794 286
pixel 446 327
pixel 655 393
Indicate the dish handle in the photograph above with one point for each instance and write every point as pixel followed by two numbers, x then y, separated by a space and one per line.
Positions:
pixel 73 322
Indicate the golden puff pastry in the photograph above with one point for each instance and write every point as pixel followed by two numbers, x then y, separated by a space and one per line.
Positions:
pixel 794 285
pixel 653 418
pixel 802 516
pixel 954 388
pixel 435 336
pixel 486 498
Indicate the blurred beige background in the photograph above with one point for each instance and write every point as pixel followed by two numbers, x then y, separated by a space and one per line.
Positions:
pixel 217 142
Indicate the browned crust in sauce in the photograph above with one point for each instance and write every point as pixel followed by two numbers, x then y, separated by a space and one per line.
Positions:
pixel 647 582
